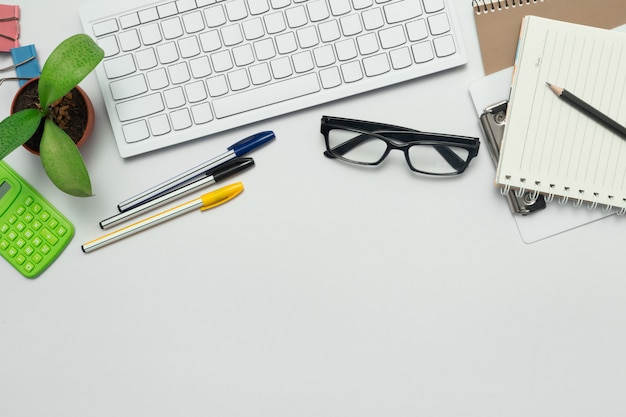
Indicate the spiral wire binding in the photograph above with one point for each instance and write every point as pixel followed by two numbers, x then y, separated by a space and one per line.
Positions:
pixel 484 6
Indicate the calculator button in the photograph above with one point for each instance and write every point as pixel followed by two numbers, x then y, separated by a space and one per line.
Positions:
pixel 45 216
pixel 28 250
pixel 20 210
pixel 4 244
pixel 45 249
pixel 20 243
pixel 37 258
pixel 37 241
pixel 29 201
pixel 4 228
pixel 20 259
pixel 12 252
pixel 12 235
pixel 49 236
pixel 61 231
pixel 53 223
pixel 20 227
pixel 37 225
pixel 12 219
pixel 28 234
pixel 28 217
pixel 29 267
pixel 36 208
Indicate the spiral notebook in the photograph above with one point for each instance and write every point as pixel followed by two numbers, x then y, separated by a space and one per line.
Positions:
pixel 498 22
pixel 550 147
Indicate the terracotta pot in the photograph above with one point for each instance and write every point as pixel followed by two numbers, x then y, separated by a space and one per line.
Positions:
pixel 88 104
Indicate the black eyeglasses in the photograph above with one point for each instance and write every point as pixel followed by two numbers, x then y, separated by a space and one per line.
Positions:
pixel 368 143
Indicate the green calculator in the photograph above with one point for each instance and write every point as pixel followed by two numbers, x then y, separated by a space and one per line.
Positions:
pixel 32 231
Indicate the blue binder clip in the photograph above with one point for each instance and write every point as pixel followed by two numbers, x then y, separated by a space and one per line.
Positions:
pixel 30 69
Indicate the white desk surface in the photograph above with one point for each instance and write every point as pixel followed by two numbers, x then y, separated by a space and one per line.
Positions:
pixel 323 290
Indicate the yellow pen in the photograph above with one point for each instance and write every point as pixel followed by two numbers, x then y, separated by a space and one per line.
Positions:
pixel 205 202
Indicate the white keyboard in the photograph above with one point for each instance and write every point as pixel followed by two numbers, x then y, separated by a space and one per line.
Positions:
pixel 180 70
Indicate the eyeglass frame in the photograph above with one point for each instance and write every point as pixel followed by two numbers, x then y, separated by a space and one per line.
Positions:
pixel 385 133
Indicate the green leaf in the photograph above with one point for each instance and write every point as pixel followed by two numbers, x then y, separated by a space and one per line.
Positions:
pixel 70 62
pixel 62 161
pixel 17 129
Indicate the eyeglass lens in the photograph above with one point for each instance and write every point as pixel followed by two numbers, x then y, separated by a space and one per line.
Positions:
pixel 362 148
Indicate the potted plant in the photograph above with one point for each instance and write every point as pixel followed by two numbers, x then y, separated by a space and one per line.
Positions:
pixel 70 62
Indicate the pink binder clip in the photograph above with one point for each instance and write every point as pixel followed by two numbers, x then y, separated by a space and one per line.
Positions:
pixel 9 27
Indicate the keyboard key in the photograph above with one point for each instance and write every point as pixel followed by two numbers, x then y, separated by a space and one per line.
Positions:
pixel 196 92
pixel 367 44
pixel 402 10
pixel 417 30
pixel 150 34
pixel 281 67
pixel 167 10
pixel 148 15
pixel 179 73
pixel 302 62
pixel 236 10
pixel 296 16
pixel 109 46
pixel 286 43
pixel 217 85
pixel 307 37
pixel 167 53
pixel 439 24
pixel 238 79
pixel 264 49
pixel 201 113
pixel 215 16
pixel 329 31
pixel 129 87
pixel 231 35
pixel 129 20
pixel 181 119
pixel 432 6
pixel 253 28
pixel 422 52
pixel 210 41
pixel 157 79
pixel 193 22
pixel 279 4
pixel 274 22
pixel 222 61
pixel 174 97
pixel 243 55
pixel 444 46
pixel 400 58
pixel 351 25
pixel 146 59
pixel 257 7
pixel 159 125
pixel 266 95
pixel 330 77
pixel 373 19
pixel 140 107
pixel 200 67
pixel 188 47
pixel 392 37
pixel 105 28
pixel 340 7
pixel 318 10
pixel 352 71
pixel 119 66
pixel 260 74
pixel 185 5
pixel 172 28
pixel 134 132
pixel 129 40
pixel 376 65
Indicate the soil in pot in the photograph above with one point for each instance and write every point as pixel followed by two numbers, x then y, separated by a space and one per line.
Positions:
pixel 69 113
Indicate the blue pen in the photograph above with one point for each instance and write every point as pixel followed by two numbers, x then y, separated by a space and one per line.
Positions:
pixel 237 149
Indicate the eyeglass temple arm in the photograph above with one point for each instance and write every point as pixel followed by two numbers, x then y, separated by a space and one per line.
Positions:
pixel 446 153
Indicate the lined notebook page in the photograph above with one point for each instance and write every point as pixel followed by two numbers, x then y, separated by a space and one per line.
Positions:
pixel 548 145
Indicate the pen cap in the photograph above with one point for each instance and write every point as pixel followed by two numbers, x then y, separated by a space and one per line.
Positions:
pixel 221 196
pixel 251 142
pixel 229 168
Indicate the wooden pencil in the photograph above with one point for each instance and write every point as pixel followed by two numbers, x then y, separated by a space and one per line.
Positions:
pixel 589 110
